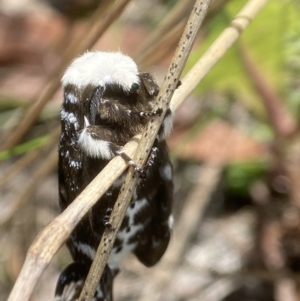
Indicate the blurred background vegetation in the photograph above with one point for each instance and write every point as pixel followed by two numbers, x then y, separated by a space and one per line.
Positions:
pixel 235 144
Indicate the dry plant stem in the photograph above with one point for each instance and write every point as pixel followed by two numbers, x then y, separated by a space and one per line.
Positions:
pixel 48 242
pixel 100 23
pixel 165 48
pixel 263 274
pixel 50 163
pixel 208 178
pixel 217 50
pixel 24 161
pixel 280 119
pixel 27 159
pixel 24 196
pixel 53 236
pixel 291 163
pixel 154 41
pixel 163 99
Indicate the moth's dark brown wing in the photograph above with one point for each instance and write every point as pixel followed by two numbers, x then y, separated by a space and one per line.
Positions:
pixel 158 189
pixel 70 156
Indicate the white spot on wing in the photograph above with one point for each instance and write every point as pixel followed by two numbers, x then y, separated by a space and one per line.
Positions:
pixel 126 235
pixel 85 249
pixel 138 206
pixel 99 292
pixel 171 221
pixel 101 68
pixel 167 127
pixel 166 172
pixel 75 164
pixel 70 118
pixel 71 98
pixel 115 258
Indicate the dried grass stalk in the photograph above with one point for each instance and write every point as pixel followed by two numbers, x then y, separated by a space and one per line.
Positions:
pixel 163 99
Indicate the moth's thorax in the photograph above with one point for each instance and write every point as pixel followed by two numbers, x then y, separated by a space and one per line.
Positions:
pixel 101 69
pixel 109 105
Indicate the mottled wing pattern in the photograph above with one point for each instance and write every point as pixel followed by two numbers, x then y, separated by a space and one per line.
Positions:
pixel 106 102
pixel 71 281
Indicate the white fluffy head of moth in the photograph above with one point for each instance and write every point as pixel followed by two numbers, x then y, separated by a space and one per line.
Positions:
pixel 102 68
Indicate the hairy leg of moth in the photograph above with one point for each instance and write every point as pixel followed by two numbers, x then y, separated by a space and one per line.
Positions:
pixel 105 108
pixel 144 113
pixel 141 170
pixel 166 126
pixel 106 218
pixel 120 112
pixel 95 141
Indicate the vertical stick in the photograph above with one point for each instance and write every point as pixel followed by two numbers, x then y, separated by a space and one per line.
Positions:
pixel 163 99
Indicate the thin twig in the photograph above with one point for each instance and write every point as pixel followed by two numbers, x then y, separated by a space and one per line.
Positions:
pixel 100 21
pixel 169 30
pixel 50 239
pixel 273 275
pixel 157 52
pixel 281 121
pixel 217 50
pixel 16 167
pixel 25 195
pixel 208 178
pixel 163 99
pixel 154 42
pixel 27 159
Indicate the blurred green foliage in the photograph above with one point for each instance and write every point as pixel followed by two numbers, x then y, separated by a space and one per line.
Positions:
pixel 241 175
pixel 24 147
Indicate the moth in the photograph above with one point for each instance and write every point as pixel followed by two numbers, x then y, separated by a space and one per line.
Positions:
pixel 107 101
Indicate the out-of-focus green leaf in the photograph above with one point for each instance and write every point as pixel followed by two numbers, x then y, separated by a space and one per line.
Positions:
pixel 240 176
pixel 23 148
pixel 265 39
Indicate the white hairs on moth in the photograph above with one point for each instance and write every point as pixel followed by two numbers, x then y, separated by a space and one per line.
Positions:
pixel 167 127
pixel 115 257
pixel 101 68
pixel 171 222
pixel 85 249
pixel 139 205
pixel 166 172
pixel 92 147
